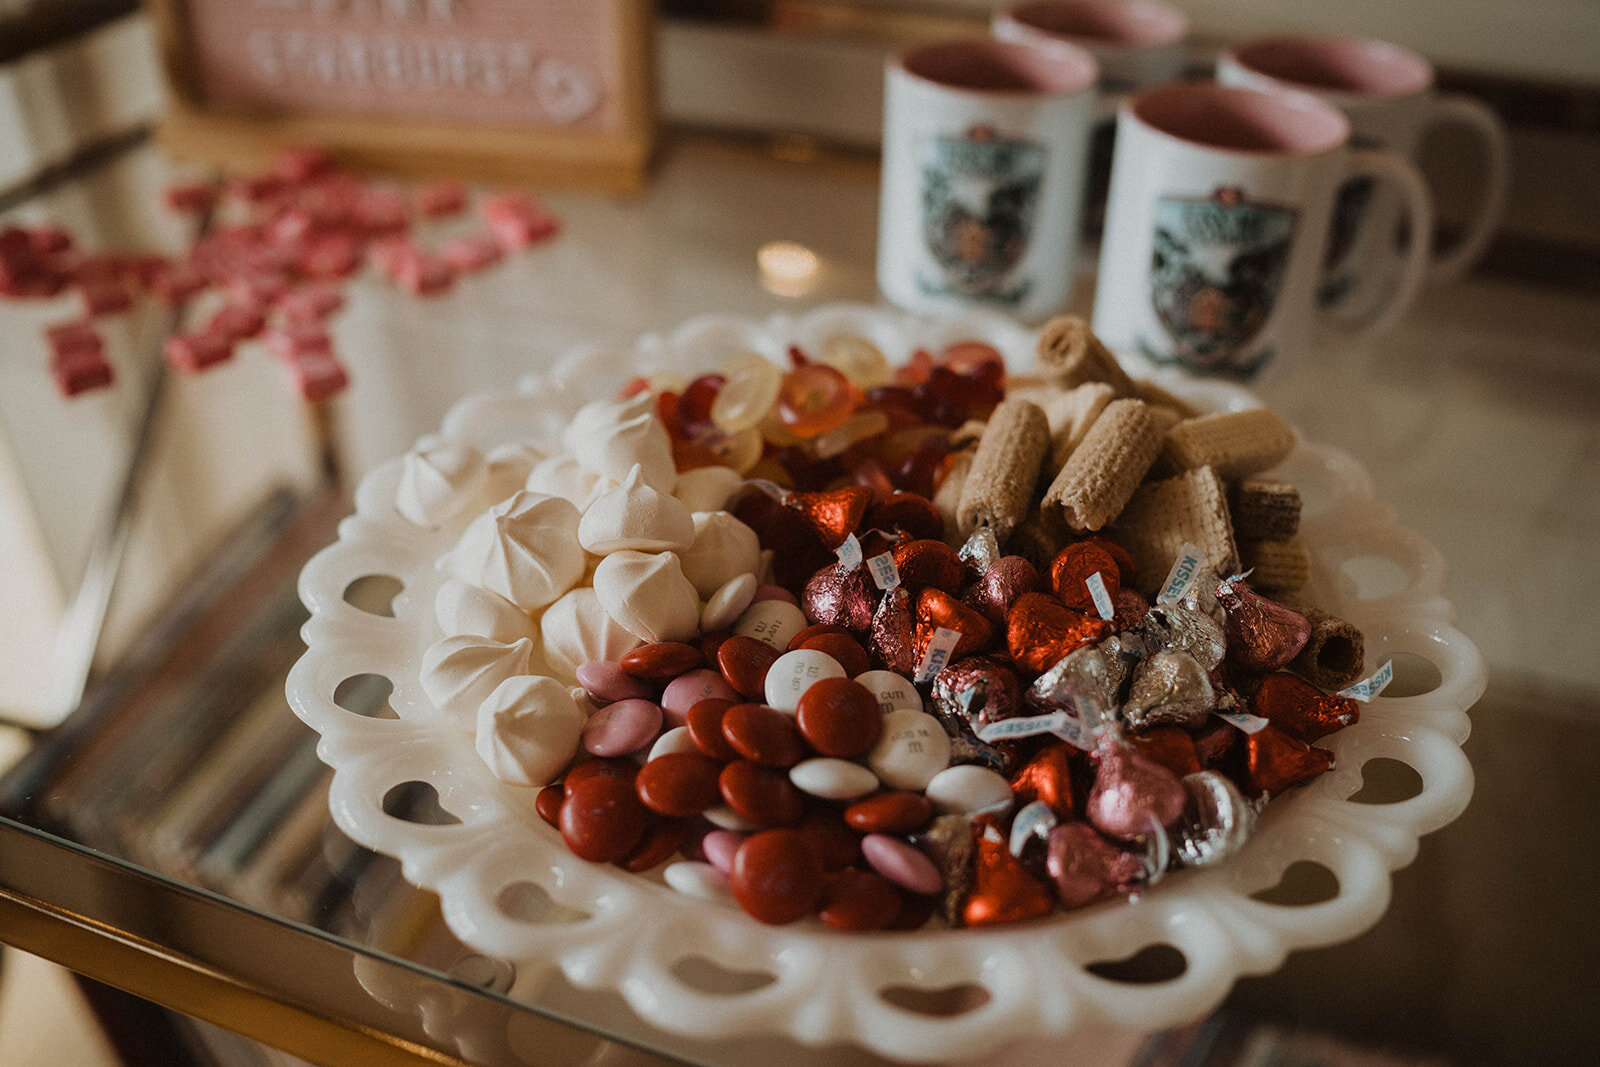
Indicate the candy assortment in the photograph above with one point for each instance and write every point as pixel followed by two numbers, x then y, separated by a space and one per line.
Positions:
pixel 874 643
pixel 272 268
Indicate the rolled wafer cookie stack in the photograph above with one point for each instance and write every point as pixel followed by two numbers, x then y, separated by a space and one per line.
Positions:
pixel 1265 510
pixel 998 490
pixel 1234 444
pixel 1102 473
pixel 1334 656
pixel 1275 566
pixel 1162 515
pixel 1070 354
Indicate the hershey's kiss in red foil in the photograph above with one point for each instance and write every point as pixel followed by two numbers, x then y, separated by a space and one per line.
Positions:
pixel 1177 627
pixel 936 609
pixel 980 550
pixel 1047 776
pixel 1263 635
pixel 1084 867
pixel 1002 891
pixel 929 563
pixel 907 513
pixel 1216 822
pixel 1168 688
pixel 977 691
pixel 1276 762
pixel 1215 740
pixel 999 587
pixel 840 597
pixel 1300 709
pixel 892 637
pixel 1040 630
pixel 1126 571
pixel 1072 568
pixel 833 513
pixel 1171 746
pixel 1132 795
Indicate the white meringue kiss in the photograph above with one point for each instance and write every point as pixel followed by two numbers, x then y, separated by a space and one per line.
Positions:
pixel 438 479
pixel 635 516
pixel 508 468
pixel 459 672
pixel 609 436
pixel 525 548
pixel 708 488
pixel 562 476
pixel 649 595
pixel 576 629
pixel 528 730
pixel 723 549
pixel 475 611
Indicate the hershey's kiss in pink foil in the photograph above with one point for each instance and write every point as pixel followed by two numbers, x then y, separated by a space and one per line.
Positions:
pixel 892 637
pixel 1084 867
pixel 1132 794
pixel 1216 822
pixel 1263 635
pixel 980 550
pixel 1168 688
pixel 840 597
pixel 998 587
pixel 977 691
pixel 1177 627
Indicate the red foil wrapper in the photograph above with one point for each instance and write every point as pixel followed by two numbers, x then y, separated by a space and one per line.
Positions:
pixel 1003 891
pixel 1132 794
pixel 999 587
pixel 936 608
pixel 840 597
pixel 906 513
pixel 833 513
pixel 1125 568
pixel 1300 709
pixel 929 563
pixel 892 638
pixel 1048 777
pixel 1171 746
pixel 1040 630
pixel 1084 867
pixel 1074 565
pixel 1275 762
pixel 1263 635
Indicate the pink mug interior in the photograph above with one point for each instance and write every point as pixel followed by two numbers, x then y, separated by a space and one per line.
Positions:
pixel 984 65
pixel 1353 65
pixel 1115 23
pixel 1242 120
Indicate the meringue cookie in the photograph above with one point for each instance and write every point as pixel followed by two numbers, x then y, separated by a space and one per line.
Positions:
pixel 635 516
pixel 528 730
pixel 576 629
pixel 562 476
pixel 524 548
pixel 649 595
pixel 508 468
pixel 708 488
pixel 459 673
pixel 723 549
pixel 609 436
pixel 438 479
pixel 474 610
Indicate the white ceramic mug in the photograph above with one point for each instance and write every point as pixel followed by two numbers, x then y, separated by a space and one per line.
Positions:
pixel 1138 43
pixel 1218 221
pixel 1388 94
pixel 984 148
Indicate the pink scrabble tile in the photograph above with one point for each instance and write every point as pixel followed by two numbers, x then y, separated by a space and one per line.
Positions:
pixel 237 321
pixel 79 372
pixel 425 275
pixel 310 303
pixel 518 220
pixel 105 297
pixel 438 199
pixel 334 255
pixel 174 283
pixel 318 376
pixel 295 340
pixel 298 164
pixel 68 338
pixel 471 253
pixel 194 352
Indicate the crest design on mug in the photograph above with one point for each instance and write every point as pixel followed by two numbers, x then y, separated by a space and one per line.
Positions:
pixel 980 194
pixel 1216 267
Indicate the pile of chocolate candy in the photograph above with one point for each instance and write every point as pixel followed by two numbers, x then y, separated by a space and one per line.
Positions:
pixel 272 267
pixel 942 701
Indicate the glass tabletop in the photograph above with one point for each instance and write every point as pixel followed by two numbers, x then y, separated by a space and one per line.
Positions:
pixel 174 832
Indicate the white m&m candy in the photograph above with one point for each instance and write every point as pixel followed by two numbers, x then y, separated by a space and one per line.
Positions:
pixel 792 673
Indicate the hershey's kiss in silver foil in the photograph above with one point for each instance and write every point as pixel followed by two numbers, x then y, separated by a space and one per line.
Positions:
pixel 1177 627
pixel 1084 682
pixel 1032 822
pixel 981 550
pixel 1216 822
pixel 1169 689
pixel 965 748
pixel 1201 596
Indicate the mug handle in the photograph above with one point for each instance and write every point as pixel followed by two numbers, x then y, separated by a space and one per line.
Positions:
pixel 1477 117
pixel 1387 166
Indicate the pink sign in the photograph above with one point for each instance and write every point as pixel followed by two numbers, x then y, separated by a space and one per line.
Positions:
pixel 542 63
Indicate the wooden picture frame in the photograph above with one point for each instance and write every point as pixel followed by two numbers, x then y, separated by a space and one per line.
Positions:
pixel 548 92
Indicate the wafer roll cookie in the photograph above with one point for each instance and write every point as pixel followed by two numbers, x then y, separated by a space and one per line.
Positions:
pixel 998 492
pixel 1264 511
pixel 1157 397
pixel 1275 566
pixel 948 496
pixel 1163 515
pixel 1103 472
pixel 1335 655
pixel 1077 409
pixel 1071 354
pixel 1235 444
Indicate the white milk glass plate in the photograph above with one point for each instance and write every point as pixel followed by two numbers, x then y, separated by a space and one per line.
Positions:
pixel 510 889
